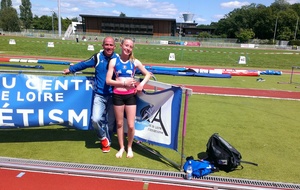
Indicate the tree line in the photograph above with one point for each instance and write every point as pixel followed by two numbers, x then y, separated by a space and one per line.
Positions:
pixel 12 22
pixel 279 21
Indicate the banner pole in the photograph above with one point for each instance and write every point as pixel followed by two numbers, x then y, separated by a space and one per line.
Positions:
pixel 184 127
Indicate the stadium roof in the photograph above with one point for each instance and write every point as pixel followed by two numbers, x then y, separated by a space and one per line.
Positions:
pixel 133 18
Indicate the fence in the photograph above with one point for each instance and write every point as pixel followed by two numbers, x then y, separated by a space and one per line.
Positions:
pixel 155 40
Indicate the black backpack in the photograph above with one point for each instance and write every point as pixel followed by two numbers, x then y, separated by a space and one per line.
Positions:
pixel 223 155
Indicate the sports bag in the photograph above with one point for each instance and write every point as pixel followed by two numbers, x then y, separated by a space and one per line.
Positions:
pixel 200 167
pixel 223 155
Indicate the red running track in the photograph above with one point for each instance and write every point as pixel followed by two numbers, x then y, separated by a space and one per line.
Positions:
pixel 12 179
pixel 241 92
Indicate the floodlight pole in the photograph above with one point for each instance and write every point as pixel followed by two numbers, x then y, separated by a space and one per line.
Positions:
pixel 59 19
pixel 180 32
pixel 296 28
pixel 52 22
pixel 275 29
pixel 180 29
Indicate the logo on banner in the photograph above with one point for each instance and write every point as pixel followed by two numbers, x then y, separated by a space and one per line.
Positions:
pixel 157 118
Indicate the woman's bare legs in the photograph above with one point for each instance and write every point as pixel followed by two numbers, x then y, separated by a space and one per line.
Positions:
pixel 130 115
pixel 119 114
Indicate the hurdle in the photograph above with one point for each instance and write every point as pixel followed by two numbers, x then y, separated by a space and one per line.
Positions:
pixel 292 81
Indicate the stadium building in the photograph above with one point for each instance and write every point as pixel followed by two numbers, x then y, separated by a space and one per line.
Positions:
pixel 128 25
pixel 139 25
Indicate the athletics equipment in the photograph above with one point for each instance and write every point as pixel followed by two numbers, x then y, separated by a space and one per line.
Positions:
pixel 22 66
pixel 293 78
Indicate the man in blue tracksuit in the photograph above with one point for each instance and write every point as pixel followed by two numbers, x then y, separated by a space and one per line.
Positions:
pixel 103 118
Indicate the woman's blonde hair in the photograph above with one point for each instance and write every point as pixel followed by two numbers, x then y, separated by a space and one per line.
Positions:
pixel 131 57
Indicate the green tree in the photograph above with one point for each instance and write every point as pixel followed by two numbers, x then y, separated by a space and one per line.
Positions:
pixel 35 22
pixel 280 5
pixel 285 34
pixel 43 23
pixel 9 20
pixel 122 14
pixel 243 35
pixel 55 21
pixel 202 35
pixel 65 23
pixel 5 4
pixel 226 27
pixel 296 8
pixel 286 24
pixel 74 19
pixel 279 20
pixel 26 14
pixel 263 22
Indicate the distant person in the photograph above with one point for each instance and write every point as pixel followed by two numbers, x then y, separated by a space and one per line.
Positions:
pixel 103 119
pixel 77 38
pixel 124 93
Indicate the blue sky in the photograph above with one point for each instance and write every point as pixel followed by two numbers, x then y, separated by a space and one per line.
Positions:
pixel 204 12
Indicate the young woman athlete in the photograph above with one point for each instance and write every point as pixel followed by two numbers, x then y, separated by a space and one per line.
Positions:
pixel 124 93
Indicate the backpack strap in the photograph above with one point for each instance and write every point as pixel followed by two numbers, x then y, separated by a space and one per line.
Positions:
pixel 247 162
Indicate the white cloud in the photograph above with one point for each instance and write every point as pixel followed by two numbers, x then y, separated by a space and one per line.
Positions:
pixel 199 20
pixel 293 1
pixel 164 10
pixel 234 4
pixel 94 4
pixel 150 8
pixel 134 3
pixel 218 17
pixel 115 12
